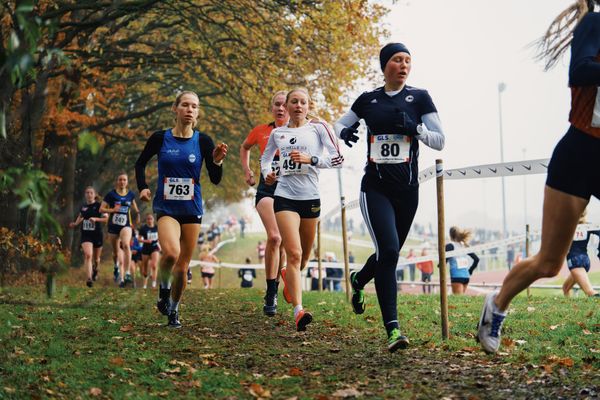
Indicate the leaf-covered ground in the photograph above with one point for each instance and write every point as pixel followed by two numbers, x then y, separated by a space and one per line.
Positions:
pixel 111 343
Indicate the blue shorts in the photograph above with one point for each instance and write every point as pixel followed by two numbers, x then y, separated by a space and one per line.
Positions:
pixel 578 261
pixel 574 167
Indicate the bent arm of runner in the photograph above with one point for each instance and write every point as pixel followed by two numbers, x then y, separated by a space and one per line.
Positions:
pixel 584 69
pixel 345 121
pixel 245 160
pixel 207 146
pixel 268 155
pixel 77 221
pixel 334 158
pixel 431 131
pixel 152 147
pixel 475 262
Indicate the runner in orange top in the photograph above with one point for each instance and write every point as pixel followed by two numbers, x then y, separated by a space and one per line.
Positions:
pixel 274 255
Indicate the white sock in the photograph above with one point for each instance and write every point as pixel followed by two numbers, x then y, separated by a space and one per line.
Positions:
pixel 297 309
pixel 153 284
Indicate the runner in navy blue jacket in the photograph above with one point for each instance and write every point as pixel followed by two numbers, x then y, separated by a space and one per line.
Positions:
pixel 178 199
pixel 573 173
pixel 398 117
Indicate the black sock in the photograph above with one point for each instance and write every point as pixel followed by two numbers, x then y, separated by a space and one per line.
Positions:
pixel 271 286
pixel 390 326
pixel 164 294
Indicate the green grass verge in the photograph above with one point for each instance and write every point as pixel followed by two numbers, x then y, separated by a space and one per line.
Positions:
pixel 111 343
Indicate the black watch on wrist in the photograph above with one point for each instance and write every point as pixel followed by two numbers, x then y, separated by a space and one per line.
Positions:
pixel 314 160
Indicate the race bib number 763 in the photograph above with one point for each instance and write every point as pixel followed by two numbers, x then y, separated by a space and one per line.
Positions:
pixel 179 189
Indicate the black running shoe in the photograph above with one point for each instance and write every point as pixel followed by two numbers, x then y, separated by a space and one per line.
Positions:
pixel 116 273
pixel 94 273
pixel 189 276
pixel 174 320
pixel 358 296
pixel 128 279
pixel 122 284
pixel 163 301
pixel 270 306
pixel 89 283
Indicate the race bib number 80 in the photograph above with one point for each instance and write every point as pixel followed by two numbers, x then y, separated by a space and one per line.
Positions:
pixel 390 149
pixel 179 189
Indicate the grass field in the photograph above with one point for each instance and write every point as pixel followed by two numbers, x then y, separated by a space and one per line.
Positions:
pixel 111 343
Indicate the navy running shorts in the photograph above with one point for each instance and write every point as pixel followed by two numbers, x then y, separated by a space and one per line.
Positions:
pixel 578 261
pixel 304 208
pixel 575 165
pixel 182 219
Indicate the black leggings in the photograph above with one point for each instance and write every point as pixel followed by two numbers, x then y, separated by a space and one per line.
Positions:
pixel 388 220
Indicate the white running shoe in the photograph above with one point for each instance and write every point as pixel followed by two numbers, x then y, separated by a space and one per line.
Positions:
pixel 490 325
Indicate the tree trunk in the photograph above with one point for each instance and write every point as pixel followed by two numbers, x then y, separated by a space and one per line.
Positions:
pixel 67 191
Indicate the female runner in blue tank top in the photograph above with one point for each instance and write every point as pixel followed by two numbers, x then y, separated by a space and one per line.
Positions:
pixel 90 219
pixel 178 199
pixel 398 117
pixel 578 261
pixel 118 203
pixel 150 250
pixel 573 173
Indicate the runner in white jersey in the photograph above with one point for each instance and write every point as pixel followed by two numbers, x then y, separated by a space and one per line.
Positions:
pixel 297 204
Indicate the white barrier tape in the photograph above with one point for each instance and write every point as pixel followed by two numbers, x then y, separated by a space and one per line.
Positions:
pixel 434 257
pixel 527 167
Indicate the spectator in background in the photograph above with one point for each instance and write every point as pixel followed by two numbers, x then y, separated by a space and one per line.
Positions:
pixel 510 256
pixel 334 273
pixel 350 257
pixel 242 223
pixel 261 248
pixel 208 271
pixel 216 235
pixel 411 267
pixel 247 274
pixel 426 268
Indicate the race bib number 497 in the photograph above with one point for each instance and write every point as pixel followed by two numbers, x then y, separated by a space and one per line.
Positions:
pixel 390 149
pixel 179 189
pixel 290 167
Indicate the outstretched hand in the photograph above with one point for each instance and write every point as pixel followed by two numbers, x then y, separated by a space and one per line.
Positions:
pixel 348 134
pixel 145 195
pixel 220 152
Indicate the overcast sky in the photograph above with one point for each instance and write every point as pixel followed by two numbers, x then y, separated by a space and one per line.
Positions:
pixel 461 50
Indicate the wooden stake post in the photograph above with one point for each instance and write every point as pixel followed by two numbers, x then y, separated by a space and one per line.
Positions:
pixel 345 242
pixel 319 256
pixel 527 243
pixel 439 173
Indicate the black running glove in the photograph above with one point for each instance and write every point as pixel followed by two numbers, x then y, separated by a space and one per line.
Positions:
pixel 348 135
pixel 404 122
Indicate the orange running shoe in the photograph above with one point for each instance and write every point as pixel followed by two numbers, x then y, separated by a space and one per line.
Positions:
pixel 302 319
pixel 286 294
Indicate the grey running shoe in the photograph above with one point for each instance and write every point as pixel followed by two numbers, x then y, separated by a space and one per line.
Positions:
pixel 489 328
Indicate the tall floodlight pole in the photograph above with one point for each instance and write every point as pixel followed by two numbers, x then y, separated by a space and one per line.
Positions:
pixel 501 88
